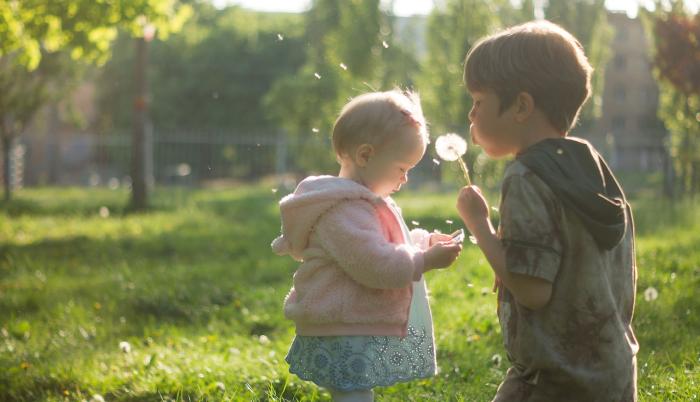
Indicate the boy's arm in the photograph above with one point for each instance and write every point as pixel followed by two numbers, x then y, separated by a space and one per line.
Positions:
pixel 530 291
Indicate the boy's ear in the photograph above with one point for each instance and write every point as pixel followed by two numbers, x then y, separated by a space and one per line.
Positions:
pixel 363 153
pixel 524 106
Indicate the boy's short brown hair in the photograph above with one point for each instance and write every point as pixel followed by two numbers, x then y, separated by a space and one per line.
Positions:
pixel 538 57
pixel 373 118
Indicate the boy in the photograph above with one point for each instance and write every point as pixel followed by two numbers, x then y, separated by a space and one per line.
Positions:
pixel 563 255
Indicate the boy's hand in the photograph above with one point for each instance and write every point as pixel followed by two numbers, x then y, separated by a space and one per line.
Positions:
pixel 441 255
pixel 472 206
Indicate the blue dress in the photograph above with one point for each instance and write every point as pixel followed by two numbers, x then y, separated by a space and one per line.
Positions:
pixel 349 363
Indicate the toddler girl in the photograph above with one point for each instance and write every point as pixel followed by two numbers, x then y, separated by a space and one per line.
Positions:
pixel 359 300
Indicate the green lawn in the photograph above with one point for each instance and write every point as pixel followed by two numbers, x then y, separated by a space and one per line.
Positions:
pixel 195 291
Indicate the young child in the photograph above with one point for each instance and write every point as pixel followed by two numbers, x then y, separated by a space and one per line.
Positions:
pixel 564 253
pixel 359 300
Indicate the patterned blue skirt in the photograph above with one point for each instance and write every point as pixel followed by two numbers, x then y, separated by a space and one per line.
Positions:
pixel 349 363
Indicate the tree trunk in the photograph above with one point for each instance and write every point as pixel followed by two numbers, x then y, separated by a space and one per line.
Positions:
pixel 6 176
pixel 139 146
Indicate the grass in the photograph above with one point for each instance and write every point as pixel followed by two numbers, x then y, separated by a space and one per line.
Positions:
pixel 195 291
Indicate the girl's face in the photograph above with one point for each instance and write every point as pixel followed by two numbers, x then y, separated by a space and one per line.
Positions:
pixel 386 169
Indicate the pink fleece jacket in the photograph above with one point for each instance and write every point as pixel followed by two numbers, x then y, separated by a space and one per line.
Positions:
pixel 357 268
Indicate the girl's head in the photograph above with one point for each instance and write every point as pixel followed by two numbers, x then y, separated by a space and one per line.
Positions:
pixel 379 137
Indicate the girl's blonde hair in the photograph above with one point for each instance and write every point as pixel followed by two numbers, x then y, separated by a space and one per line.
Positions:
pixel 373 118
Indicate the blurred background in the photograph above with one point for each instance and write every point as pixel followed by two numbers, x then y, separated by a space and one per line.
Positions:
pixel 138 93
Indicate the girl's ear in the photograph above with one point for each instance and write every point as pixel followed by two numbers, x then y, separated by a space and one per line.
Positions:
pixel 524 106
pixel 363 153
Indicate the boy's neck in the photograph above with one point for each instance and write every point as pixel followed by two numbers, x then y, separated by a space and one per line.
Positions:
pixel 536 130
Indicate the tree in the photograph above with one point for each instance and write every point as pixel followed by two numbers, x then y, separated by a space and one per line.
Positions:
pixel 587 21
pixel 350 51
pixel 676 60
pixel 32 30
pixel 454 26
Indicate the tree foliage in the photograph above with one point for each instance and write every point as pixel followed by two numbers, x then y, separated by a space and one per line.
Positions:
pixel 216 70
pixel 676 43
pixel 587 21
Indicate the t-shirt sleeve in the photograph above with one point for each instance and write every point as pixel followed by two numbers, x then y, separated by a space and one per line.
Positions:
pixel 528 229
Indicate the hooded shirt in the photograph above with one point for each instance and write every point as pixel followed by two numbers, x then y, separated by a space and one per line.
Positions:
pixel 581 179
pixel 357 268
pixel 564 219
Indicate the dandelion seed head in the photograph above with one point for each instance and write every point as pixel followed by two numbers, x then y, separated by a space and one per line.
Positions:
pixel 343 66
pixel 97 398
pixel 317 75
pixel 496 359
pixel 280 37
pixel 264 339
pixel 450 147
pixel 274 190
pixel 104 212
pixel 125 347
pixel 220 386
pixel 386 45
pixel 651 294
pixel 315 130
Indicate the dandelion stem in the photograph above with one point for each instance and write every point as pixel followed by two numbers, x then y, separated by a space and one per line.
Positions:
pixel 465 171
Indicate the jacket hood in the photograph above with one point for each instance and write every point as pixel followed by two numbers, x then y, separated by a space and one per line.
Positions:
pixel 302 209
pixel 580 178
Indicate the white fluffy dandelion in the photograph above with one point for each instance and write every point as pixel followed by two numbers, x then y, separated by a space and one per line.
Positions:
pixel 651 294
pixel 451 147
pixel 125 346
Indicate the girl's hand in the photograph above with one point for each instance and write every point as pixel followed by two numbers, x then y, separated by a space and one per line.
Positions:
pixel 472 206
pixel 442 255
pixel 438 238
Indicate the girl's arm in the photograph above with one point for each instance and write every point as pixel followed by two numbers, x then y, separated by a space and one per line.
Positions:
pixel 351 234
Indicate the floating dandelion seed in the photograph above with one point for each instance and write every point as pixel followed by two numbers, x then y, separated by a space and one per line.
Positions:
pixel 472 239
pixel 450 147
pixel 386 45
pixel 125 346
pixel 415 223
pixel 447 221
pixel 104 212
pixel 495 208
pixel 280 37
pixel 315 130
pixel 97 398
pixel 343 66
pixel 274 190
pixel 436 161
pixel 496 359
pixel 317 75
pixel 651 294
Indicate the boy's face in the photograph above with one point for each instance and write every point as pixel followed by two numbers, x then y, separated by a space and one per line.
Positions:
pixel 387 168
pixel 495 132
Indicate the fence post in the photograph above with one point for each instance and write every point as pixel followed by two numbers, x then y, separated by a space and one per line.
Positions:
pixel 281 154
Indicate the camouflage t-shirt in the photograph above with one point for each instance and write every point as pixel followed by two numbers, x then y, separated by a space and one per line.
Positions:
pixel 580 346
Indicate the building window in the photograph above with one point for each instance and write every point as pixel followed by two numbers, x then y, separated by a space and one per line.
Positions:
pixel 620 62
pixel 621 34
pixel 618 123
pixel 620 94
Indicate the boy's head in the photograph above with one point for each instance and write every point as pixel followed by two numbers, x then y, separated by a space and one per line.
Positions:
pixel 379 136
pixel 538 58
